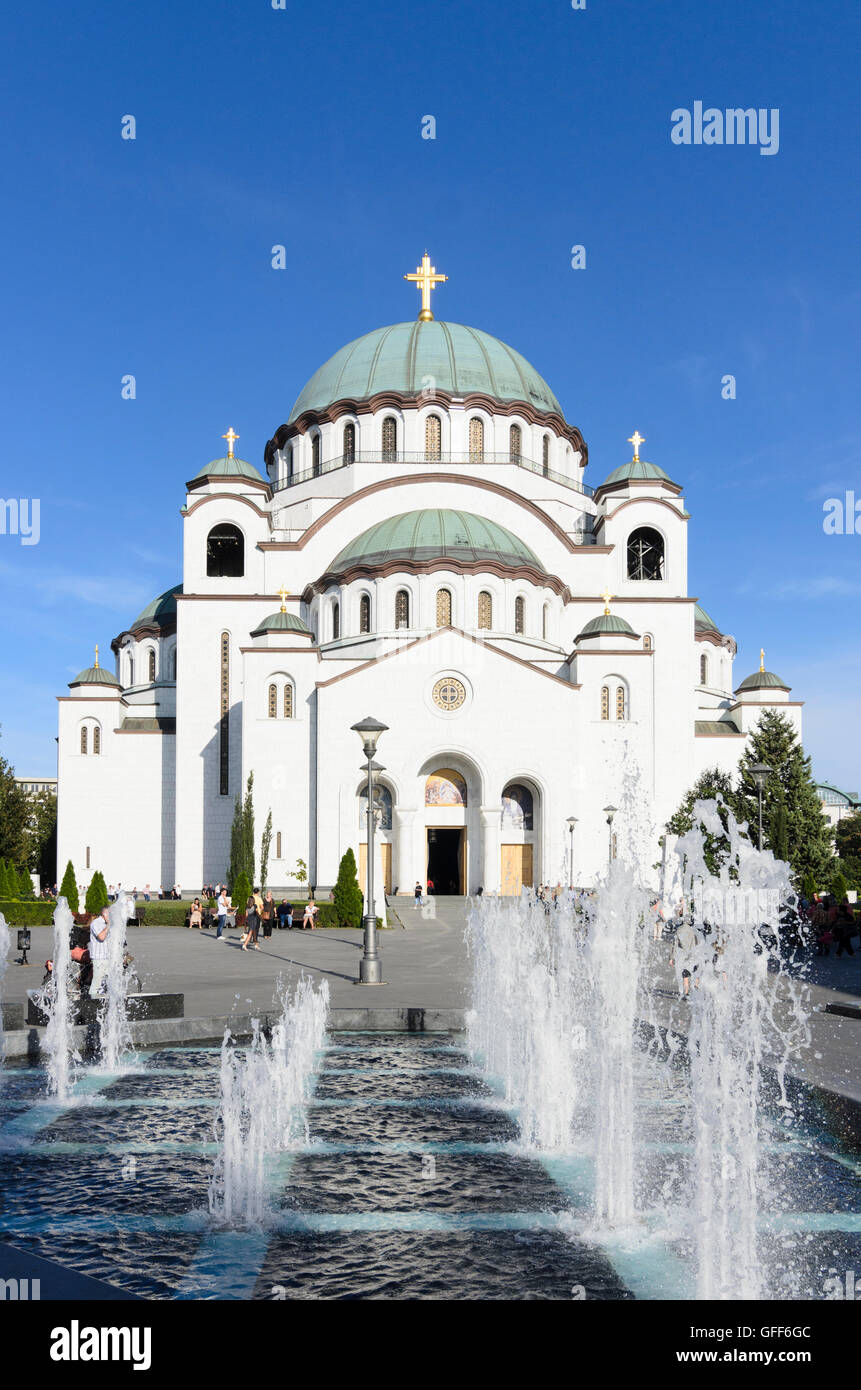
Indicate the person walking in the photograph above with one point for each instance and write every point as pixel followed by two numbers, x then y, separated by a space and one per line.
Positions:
pixel 269 914
pixel 258 908
pixel 311 910
pixel 684 947
pixel 99 928
pixel 844 928
pixel 222 909
pixel 252 924
pixel 417 896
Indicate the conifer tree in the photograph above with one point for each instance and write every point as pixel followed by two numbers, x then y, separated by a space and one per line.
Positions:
pixel 25 885
pixel 4 882
pixel 347 894
pixel 12 887
pixel 69 887
pixel 97 894
pixel 775 743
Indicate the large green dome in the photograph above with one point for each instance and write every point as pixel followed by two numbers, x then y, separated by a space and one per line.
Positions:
pixel 415 537
pixel 404 356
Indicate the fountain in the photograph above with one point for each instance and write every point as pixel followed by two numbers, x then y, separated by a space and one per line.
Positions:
pixel 57 1004
pixel 4 955
pixel 115 1034
pixel 264 1091
pixel 546 983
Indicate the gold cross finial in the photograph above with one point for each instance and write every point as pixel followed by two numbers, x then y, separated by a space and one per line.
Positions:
pixel 636 439
pixel 762 658
pixel 606 596
pixel 96 662
pixel 426 278
pixel 283 592
pixel 231 438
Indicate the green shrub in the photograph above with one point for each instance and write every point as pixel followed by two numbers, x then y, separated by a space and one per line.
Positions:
pixel 69 887
pixel 25 884
pixel 28 914
pixel 808 886
pixel 347 894
pixel 169 913
pixel 12 887
pixel 97 894
pixel 839 887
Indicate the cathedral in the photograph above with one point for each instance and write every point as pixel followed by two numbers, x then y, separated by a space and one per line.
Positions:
pixel 420 546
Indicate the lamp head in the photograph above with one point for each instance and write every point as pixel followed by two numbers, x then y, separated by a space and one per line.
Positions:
pixel 610 812
pixel 369 731
pixel 571 822
pixel 759 772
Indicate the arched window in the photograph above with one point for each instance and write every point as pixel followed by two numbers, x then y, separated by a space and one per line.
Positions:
pixel 151 661
pixel 443 608
pixel 225 552
pixel 402 608
pixel 515 443
pixel 97 740
pixel 349 443
pixel 544 623
pixel 605 702
pixel 390 439
pixel 433 437
pixel 289 464
pixel 485 610
pixel 278 845
pixel 647 642
pixel 84 737
pixel 131 670
pixel 519 614
pixel 316 454
pixel 365 613
pixel 620 702
pixel 288 701
pixel 336 620
pixel 645 554
pixel 273 701
pixel 517 807
pixel 476 438
pixel 545 454
pixel 704 670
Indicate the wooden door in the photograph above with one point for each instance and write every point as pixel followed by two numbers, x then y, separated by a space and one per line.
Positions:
pixel 386 857
pixel 516 868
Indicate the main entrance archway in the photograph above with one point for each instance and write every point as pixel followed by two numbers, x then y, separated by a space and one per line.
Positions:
pixel 451 792
pixel 446 856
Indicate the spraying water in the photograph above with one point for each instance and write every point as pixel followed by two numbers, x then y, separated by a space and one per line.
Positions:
pixel 56 1002
pixel 116 1038
pixel 739 1024
pixel 4 955
pixel 264 1095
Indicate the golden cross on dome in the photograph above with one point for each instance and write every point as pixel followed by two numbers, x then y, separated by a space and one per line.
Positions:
pixel 606 596
pixel 231 438
pixel 96 662
pixel 636 439
pixel 283 593
pixel 762 658
pixel 426 278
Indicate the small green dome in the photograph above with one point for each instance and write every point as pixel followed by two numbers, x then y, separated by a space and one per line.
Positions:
pixel 402 356
pixel 703 622
pixel 281 622
pixel 432 535
pixel 161 611
pixel 229 468
pixel 607 622
pixel 762 680
pixel 639 469
pixel 95 675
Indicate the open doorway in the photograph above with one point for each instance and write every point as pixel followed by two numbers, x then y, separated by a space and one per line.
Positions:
pixel 445 856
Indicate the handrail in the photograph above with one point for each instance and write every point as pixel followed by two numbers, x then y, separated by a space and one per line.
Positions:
pixel 472 460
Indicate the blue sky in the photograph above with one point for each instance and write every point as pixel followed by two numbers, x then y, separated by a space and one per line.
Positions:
pixel 303 127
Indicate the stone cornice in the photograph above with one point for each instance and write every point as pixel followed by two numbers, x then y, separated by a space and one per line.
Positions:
pixel 167 629
pixel 402 566
pixel 241 478
pixel 225 497
pixel 610 651
pixel 602 519
pixel 397 400
pixel 639 483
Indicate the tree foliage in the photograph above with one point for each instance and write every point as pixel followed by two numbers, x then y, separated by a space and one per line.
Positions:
pixel 69 887
pixel 265 846
pixel 807 843
pixel 347 895
pixel 14 817
pixel 847 837
pixel 97 894
pixel 242 838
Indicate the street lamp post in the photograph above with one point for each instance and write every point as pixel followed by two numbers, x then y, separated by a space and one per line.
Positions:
pixel 571 822
pixel 610 812
pixel 370 966
pixel 759 772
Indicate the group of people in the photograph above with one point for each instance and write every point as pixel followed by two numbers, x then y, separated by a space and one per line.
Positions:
pixel 261 912
pixel 832 924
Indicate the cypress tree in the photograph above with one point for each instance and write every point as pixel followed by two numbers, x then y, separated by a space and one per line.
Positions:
pixel 69 887
pixel 241 891
pixel 4 882
pixel 25 885
pixel 248 829
pixel 839 886
pixel 265 846
pixel 347 894
pixel 775 743
pixel 808 886
pixel 97 894
pixel 12 887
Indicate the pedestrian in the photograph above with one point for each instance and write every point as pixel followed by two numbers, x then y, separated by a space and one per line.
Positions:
pixel 269 914
pixel 99 927
pixel 844 928
pixel 311 910
pixel 684 946
pixel 417 896
pixel 252 925
pixel 222 909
